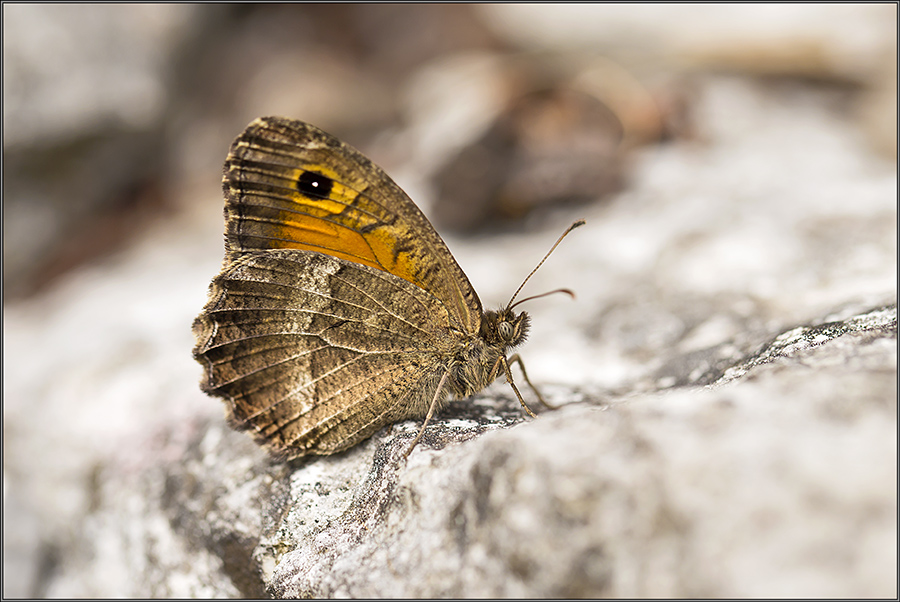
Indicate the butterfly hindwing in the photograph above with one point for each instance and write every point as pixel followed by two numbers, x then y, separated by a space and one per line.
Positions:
pixel 309 357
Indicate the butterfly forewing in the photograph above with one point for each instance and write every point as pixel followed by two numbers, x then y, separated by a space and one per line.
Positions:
pixel 288 185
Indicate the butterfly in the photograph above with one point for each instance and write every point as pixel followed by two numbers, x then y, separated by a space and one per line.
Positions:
pixel 339 310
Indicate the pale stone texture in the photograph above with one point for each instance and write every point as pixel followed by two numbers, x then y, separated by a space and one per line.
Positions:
pixel 729 369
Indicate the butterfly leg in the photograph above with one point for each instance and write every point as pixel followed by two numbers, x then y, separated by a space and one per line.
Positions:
pixel 515 359
pixel 434 403
pixel 503 362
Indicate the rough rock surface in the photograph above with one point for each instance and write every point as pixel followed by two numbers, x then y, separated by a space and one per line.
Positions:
pixel 728 377
pixel 694 493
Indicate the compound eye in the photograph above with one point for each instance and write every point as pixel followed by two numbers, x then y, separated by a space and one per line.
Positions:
pixel 506 330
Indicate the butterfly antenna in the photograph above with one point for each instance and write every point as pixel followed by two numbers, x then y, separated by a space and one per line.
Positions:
pixel 559 290
pixel 537 267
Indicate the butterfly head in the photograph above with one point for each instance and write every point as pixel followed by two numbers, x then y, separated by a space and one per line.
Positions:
pixel 505 328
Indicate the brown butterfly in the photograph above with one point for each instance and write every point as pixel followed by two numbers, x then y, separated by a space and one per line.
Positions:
pixel 339 309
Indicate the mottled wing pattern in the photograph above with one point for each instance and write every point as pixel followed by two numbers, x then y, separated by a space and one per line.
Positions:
pixel 313 353
pixel 289 185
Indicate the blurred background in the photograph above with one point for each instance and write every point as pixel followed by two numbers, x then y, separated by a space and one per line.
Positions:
pixel 118 116
pixel 736 165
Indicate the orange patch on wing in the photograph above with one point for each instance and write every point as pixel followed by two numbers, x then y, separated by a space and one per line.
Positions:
pixel 345 225
pixel 323 235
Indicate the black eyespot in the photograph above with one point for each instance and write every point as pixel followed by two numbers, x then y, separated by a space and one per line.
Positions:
pixel 314 184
